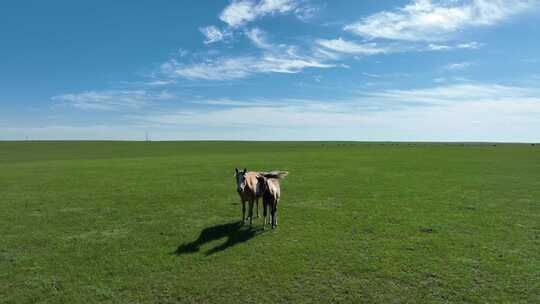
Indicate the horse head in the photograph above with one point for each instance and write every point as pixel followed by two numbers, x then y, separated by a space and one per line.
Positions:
pixel 240 180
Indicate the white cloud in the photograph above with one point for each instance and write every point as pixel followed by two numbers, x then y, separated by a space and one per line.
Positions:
pixel 111 100
pixel 326 54
pixel 257 36
pixel 466 45
pixel 290 113
pixel 240 12
pixel 158 82
pixel 439 47
pixel 182 52
pixel 226 102
pixel 222 69
pixel 467 93
pixel 348 47
pixel 282 60
pixel 458 66
pixel 520 99
pixel 273 6
pixel 286 59
pixel 371 75
pixel 435 20
pixel 470 45
pixel 213 34
pixel 453 112
pixel 464 112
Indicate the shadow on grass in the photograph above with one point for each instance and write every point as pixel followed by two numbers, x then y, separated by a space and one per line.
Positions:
pixel 234 232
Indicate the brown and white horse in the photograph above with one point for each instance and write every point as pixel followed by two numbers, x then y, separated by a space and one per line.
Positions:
pixel 250 190
pixel 253 185
pixel 271 194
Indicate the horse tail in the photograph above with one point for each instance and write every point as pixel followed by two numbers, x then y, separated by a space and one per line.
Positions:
pixel 275 174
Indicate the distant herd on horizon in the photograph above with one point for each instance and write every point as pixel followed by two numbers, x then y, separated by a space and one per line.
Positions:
pixel 253 185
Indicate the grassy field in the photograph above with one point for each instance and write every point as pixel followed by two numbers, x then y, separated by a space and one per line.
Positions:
pixel 137 222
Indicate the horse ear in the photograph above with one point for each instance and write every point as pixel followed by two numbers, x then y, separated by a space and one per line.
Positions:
pixel 236 169
pixel 245 170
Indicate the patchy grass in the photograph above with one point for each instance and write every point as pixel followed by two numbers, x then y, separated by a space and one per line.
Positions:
pixel 136 222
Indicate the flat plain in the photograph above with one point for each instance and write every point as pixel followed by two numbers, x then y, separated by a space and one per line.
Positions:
pixel 158 222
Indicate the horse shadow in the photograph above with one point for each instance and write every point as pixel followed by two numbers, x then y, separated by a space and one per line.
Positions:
pixel 232 231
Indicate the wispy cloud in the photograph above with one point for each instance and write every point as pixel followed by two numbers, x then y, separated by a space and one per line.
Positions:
pixel 473 111
pixel 439 47
pixel 470 45
pixel 473 45
pixel 158 82
pixel 458 66
pixel 283 59
pixel 426 20
pixel 413 22
pixel 213 34
pixel 371 75
pixel 112 100
pixel 340 45
pixel 227 102
pixel 241 12
pixel 448 112
pixel 467 93
pixel 274 58
pixel 258 37
pixel 489 95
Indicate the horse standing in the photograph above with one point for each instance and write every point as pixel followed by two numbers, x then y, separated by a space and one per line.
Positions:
pixel 250 190
pixel 271 194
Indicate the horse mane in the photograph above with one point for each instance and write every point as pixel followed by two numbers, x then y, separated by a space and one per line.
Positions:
pixel 275 174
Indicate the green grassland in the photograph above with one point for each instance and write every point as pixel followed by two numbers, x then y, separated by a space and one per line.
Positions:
pixel 139 222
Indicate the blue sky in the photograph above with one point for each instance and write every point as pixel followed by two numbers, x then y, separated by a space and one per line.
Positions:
pixel 449 70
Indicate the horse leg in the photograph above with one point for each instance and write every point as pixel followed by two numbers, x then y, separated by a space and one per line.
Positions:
pixel 274 220
pixel 264 214
pixel 244 219
pixel 276 212
pixel 257 207
pixel 251 212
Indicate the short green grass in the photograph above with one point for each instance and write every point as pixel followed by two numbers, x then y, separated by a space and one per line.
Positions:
pixel 138 222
